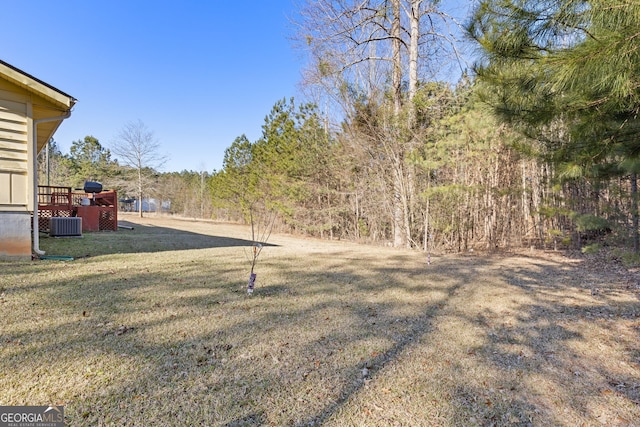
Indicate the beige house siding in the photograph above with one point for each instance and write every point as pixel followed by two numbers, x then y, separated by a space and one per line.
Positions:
pixel 14 156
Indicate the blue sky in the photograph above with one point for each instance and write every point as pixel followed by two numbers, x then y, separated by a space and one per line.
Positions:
pixel 197 73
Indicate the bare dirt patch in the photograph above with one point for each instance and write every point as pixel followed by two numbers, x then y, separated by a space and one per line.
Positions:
pixel 153 326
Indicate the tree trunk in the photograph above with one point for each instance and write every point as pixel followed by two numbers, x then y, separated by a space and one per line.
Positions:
pixel 399 238
pixel 397 60
pixel 414 19
pixel 140 191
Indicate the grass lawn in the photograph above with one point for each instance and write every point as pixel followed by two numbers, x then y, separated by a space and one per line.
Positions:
pixel 153 327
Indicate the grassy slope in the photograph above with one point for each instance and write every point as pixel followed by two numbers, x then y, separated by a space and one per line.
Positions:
pixel 153 326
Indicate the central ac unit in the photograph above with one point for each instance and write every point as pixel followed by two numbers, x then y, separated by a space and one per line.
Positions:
pixel 63 226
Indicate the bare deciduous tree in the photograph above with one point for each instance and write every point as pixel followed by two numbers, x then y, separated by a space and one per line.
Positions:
pixel 361 52
pixel 137 147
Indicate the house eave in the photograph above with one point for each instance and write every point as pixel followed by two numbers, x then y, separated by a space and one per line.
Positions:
pixel 34 85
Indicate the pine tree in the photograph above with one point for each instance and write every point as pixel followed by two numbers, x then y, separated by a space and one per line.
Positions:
pixel 566 73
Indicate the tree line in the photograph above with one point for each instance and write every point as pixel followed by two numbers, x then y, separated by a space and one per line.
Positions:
pixel 136 178
pixel 533 145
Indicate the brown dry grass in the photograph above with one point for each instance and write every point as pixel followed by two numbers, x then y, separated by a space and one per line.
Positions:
pixel 153 327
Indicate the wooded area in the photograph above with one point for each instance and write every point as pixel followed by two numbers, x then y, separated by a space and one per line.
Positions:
pixel 535 145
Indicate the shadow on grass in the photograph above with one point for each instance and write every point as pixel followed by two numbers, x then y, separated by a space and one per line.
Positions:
pixel 543 336
pixel 294 353
pixel 138 239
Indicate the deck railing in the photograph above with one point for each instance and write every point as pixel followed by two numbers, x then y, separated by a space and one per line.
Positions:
pixel 54 201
